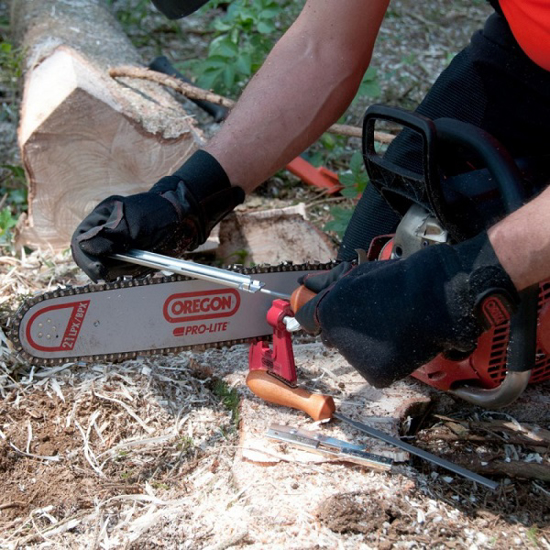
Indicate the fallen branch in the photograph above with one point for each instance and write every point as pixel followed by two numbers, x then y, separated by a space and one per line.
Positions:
pixel 188 90
pixel 193 92
pixel 516 432
pixel 515 469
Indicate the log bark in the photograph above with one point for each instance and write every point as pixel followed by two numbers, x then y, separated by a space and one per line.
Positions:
pixel 83 135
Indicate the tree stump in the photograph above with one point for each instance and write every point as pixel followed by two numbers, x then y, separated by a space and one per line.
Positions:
pixel 84 136
pixel 273 237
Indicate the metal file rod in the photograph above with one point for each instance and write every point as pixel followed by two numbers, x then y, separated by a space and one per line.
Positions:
pixel 197 271
pixel 373 432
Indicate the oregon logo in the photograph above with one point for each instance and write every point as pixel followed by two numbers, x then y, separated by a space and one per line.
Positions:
pixel 194 306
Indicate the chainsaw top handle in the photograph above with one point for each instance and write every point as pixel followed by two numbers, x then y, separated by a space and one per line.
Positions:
pixel 427 188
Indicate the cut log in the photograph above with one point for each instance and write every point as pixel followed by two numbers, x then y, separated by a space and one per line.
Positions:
pixel 84 136
pixel 272 237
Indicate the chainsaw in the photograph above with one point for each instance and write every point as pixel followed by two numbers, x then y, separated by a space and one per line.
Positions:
pixel 200 306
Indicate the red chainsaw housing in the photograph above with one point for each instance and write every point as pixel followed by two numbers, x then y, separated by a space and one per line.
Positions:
pixel 486 366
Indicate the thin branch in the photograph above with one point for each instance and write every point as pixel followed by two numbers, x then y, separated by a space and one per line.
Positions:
pixel 188 90
pixel 193 92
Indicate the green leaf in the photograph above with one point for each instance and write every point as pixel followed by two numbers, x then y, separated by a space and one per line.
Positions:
pixel 328 141
pixel 347 178
pixel 215 62
pixel 270 13
pixel 356 162
pixel 229 76
pixel 7 221
pixel 244 64
pixel 341 218
pixel 224 48
pixel 207 80
pixel 221 25
pixel 349 192
pixel 370 86
pixel 17 171
pixel 266 27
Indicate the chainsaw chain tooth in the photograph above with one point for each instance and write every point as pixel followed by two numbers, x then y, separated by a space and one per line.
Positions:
pixel 15 320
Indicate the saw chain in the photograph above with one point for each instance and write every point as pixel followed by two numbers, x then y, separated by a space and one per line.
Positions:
pixel 154 315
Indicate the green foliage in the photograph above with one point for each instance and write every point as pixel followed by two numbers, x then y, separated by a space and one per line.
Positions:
pixel 13 201
pixel 229 398
pixel 146 27
pixel 329 151
pixel 354 181
pixel 13 197
pixel 243 36
pixel 340 220
pixel 7 222
pixel 370 85
pixel 532 535
pixel 10 61
pixel 130 14
pixel 355 178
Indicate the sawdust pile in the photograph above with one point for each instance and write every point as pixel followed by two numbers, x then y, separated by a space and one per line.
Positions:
pixel 170 452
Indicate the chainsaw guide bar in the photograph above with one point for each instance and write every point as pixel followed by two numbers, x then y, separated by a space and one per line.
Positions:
pixel 154 315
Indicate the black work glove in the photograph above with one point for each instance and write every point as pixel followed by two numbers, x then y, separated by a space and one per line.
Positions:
pixel 175 215
pixel 388 318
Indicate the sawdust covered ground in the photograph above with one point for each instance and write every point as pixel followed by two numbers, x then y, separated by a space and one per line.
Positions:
pixel 170 452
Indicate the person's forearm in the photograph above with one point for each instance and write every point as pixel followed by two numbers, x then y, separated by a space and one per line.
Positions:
pixel 522 242
pixel 305 85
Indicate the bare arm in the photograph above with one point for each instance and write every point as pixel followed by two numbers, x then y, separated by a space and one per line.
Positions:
pixel 522 242
pixel 305 85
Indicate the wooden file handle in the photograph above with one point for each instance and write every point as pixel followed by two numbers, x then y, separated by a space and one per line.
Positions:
pixel 300 296
pixel 271 389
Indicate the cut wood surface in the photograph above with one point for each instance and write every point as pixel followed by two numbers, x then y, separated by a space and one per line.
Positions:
pixel 272 237
pixel 84 136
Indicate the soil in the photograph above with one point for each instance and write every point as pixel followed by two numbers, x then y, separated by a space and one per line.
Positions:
pixel 170 451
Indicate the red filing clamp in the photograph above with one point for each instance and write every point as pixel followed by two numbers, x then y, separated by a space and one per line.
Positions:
pixel 272 370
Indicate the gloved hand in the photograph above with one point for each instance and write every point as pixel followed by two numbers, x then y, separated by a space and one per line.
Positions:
pixel 388 318
pixel 175 215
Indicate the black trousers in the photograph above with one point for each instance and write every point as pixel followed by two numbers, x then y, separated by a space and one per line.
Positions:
pixel 491 84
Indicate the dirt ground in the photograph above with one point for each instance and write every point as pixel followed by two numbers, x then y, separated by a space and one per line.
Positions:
pixel 171 452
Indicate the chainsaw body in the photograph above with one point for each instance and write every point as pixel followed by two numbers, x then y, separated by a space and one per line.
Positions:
pixel 486 367
pixel 447 207
pixel 437 209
